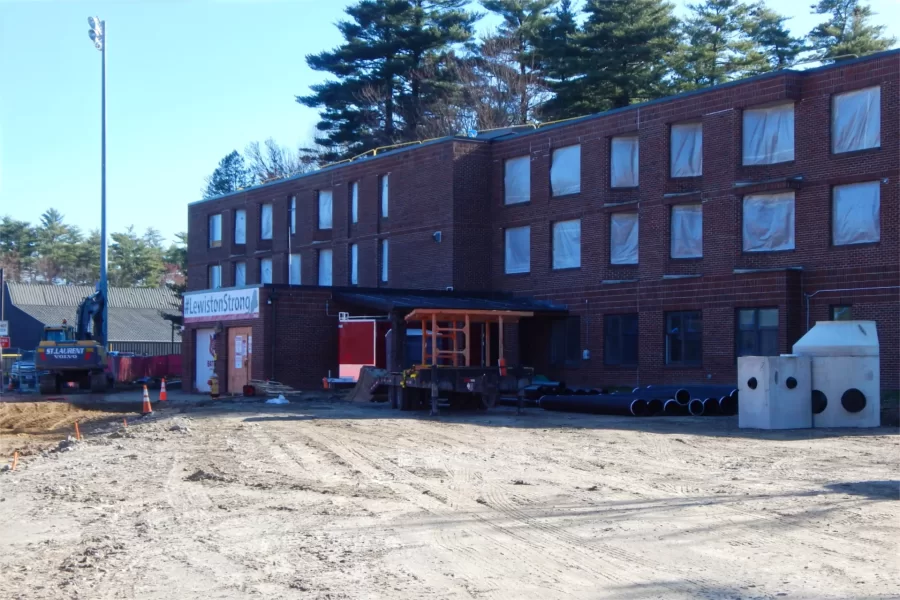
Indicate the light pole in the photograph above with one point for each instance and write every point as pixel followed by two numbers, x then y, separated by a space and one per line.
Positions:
pixel 97 33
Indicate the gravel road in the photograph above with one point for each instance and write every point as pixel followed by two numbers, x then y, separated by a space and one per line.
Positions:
pixel 324 500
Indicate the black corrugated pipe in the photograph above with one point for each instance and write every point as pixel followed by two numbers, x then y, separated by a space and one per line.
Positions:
pixel 683 396
pixel 711 406
pixel 673 407
pixel 602 404
pixel 695 407
pixel 728 405
pixel 654 407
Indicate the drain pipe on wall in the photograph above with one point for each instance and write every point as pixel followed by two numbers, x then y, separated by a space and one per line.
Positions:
pixel 859 289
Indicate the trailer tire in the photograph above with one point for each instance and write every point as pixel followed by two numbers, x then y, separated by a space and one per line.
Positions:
pixel 48 384
pixel 489 401
pixel 405 399
pixel 98 383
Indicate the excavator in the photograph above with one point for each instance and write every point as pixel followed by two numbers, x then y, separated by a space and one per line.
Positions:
pixel 74 354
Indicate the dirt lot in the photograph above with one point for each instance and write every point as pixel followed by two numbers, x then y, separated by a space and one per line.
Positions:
pixel 332 501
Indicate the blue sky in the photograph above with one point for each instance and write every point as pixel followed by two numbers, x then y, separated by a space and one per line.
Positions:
pixel 187 82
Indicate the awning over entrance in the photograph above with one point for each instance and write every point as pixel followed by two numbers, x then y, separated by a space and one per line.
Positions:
pixel 388 301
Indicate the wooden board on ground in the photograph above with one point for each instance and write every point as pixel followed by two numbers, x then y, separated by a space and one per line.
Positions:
pixel 368 377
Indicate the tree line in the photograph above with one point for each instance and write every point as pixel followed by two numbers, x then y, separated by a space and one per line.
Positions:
pixel 409 70
pixel 56 252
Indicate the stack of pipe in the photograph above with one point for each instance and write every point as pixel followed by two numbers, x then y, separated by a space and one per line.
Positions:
pixel 693 400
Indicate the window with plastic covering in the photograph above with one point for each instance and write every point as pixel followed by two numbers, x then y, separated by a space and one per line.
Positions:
pixel 385 188
pixel 293 215
pixel 265 270
pixel 687 231
pixel 757 332
pixel 620 340
pixel 384 260
pixel 325 209
pixel 240 274
pixel 624 156
pixel 294 269
pixel 856 213
pixel 623 239
pixel 517 250
pixel 354 264
pixel 856 120
pixel 768 222
pixel 240 226
pixel 517 180
pixel 354 202
pixel 768 135
pixel 265 222
pixel 684 338
pixel 686 150
pixel 565 171
pixel 325 260
pixel 567 244
pixel 215 277
pixel 215 231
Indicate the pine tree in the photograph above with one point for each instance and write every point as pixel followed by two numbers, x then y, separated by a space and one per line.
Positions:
pixel 717 45
pixel 519 35
pixel 230 176
pixel 17 247
pixel 773 39
pixel 57 247
pixel 387 72
pixel 136 261
pixel 559 60
pixel 847 33
pixel 620 53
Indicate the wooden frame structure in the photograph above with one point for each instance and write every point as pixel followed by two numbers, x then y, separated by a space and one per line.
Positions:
pixel 452 323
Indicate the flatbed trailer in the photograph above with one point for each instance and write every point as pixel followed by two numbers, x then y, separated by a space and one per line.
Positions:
pixel 446 372
pixel 426 386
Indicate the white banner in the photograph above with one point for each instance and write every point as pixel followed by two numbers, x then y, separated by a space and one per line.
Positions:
pixel 221 305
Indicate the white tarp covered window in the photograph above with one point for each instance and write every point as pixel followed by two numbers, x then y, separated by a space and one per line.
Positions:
pixel 215 231
pixel 769 222
pixel 623 239
pixel 623 168
pixel 325 267
pixel 384 260
pixel 565 171
pixel 354 202
pixel 517 180
pixel 215 277
pixel 385 187
pixel 265 270
pixel 325 204
pixel 686 149
pixel 240 227
pixel 769 135
pixel 687 231
pixel 240 274
pixel 518 250
pixel 293 215
pixel 354 264
pixel 265 222
pixel 567 244
pixel 856 216
pixel 294 269
pixel 856 120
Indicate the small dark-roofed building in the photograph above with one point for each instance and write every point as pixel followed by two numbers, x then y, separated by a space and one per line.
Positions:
pixel 136 322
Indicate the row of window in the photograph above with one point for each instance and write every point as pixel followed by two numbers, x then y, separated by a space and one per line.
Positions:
pixel 324 276
pixel 768 226
pixel 768 138
pixel 756 334
pixel 325 206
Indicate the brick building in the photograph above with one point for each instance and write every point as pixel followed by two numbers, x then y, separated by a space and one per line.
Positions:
pixel 677 233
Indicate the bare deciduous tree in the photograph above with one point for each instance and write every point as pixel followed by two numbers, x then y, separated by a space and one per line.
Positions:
pixel 269 161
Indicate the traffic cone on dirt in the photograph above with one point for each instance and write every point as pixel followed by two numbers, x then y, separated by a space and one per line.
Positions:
pixel 146 409
pixel 162 391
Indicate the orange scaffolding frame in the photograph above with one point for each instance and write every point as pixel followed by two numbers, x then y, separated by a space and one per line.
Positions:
pixel 451 323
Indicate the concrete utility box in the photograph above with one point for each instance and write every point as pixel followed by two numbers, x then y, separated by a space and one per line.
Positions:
pixel 775 392
pixel 846 379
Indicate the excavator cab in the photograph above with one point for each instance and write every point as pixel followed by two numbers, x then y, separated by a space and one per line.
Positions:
pixel 58 333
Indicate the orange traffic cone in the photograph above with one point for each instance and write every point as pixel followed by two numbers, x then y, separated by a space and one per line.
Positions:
pixel 146 409
pixel 162 391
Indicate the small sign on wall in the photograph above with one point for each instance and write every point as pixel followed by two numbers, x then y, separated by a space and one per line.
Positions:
pixel 238 352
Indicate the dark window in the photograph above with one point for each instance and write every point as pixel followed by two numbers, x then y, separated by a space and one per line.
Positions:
pixel 684 338
pixel 757 332
pixel 842 313
pixel 620 339
pixel 565 344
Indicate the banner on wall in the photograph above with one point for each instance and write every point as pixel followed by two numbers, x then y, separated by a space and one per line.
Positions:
pixel 221 305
